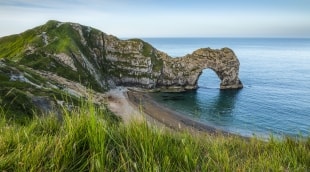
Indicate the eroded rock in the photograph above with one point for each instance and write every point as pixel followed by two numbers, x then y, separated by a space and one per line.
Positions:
pixel 184 72
pixel 136 63
pixel 103 61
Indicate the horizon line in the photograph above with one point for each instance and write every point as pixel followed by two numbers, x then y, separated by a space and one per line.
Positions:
pixel 216 37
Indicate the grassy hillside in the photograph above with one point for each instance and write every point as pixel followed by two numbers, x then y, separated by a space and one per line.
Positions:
pixel 39 71
pixel 60 38
pixel 18 96
pixel 37 48
pixel 86 140
pixel 26 55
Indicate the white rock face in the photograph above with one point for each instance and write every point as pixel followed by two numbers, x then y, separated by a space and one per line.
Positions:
pixel 112 62
pixel 67 60
pixel 45 38
pixel 184 72
pixel 136 63
pixel 20 77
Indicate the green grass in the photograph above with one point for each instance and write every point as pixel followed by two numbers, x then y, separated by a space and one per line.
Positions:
pixel 12 47
pixel 85 140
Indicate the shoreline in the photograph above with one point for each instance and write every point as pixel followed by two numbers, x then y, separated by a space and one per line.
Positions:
pixel 118 102
pixel 168 117
pixel 132 104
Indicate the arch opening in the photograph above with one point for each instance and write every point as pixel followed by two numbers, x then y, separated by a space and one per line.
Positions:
pixel 208 79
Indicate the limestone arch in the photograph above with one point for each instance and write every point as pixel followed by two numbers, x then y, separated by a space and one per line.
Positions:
pixel 183 73
pixel 208 79
pixel 223 62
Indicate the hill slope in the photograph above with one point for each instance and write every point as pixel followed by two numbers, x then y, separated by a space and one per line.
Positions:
pixel 56 58
pixel 41 65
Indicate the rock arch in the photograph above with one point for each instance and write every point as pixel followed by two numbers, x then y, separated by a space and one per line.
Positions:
pixel 136 63
pixel 183 73
pixel 208 79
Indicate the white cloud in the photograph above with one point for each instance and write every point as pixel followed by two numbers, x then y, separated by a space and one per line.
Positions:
pixel 150 18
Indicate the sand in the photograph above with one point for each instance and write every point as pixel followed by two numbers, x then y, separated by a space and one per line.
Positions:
pixel 130 105
pixel 166 116
pixel 118 103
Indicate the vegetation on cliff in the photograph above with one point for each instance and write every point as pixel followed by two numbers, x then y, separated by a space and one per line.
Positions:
pixel 87 139
pixel 39 48
pixel 25 93
pixel 45 74
pixel 45 61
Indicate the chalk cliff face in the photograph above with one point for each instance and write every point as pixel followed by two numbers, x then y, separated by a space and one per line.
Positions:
pixel 136 63
pixel 184 72
pixel 41 64
pixel 93 58
pixel 149 68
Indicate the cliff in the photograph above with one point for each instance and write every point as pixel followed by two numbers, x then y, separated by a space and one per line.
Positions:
pixel 103 61
pixel 70 57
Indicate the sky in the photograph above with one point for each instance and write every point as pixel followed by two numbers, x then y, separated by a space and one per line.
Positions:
pixel 164 18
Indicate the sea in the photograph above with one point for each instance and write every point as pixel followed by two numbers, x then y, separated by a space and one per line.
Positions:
pixel 275 100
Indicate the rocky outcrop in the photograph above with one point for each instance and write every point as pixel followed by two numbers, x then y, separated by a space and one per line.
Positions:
pixel 95 59
pixel 136 63
pixel 183 73
pixel 139 64
pixel 56 65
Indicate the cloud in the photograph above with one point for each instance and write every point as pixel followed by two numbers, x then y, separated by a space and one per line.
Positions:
pixel 144 18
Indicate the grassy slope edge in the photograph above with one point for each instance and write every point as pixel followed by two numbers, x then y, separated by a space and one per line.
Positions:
pixel 86 141
pixel 90 139
pixel 16 97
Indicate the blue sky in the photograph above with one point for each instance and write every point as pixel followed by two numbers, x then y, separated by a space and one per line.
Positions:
pixel 169 18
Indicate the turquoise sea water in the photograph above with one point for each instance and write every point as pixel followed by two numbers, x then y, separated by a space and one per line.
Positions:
pixel 276 94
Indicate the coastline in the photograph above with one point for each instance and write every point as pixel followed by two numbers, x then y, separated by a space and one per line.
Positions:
pixel 118 102
pixel 166 116
pixel 133 104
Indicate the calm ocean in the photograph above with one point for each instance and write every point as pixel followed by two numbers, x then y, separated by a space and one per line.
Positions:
pixel 276 95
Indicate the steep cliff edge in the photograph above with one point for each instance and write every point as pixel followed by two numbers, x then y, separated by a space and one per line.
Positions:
pixel 68 57
pixel 183 73
pixel 102 61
